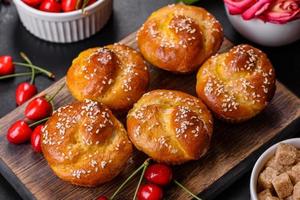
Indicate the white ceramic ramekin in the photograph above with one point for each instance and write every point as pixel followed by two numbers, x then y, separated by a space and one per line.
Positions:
pixel 65 27
pixel 266 33
pixel 260 163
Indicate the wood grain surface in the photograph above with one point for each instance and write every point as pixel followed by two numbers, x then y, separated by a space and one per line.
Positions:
pixel 29 173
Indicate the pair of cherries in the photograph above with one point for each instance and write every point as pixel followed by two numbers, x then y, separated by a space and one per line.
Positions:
pixel 20 132
pixel 56 6
pixel 158 175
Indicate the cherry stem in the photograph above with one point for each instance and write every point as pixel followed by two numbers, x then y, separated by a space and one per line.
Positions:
pixel 141 178
pixel 186 190
pixel 146 162
pixel 17 74
pixel 38 122
pixel 48 73
pixel 25 57
pixel 85 2
pixel 49 99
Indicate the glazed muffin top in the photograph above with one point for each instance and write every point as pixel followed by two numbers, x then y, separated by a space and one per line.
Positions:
pixel 238 84
pixel 115 75
pixel 179 38
pixel 170 126
pixel 85 144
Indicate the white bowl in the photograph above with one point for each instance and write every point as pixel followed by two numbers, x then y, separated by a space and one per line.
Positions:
pixel 266 33
pixel 260 163
pixel 65 27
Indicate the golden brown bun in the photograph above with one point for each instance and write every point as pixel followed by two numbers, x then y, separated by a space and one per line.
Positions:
pixel 237 85
pixel 170 126
pixel 115 75
pixel 179 38
pixel 85 144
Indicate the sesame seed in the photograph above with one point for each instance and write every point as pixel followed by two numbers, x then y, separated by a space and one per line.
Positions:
pixel 103 164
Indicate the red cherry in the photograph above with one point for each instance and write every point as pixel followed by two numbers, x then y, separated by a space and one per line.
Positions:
pixel 36 138
pixel 102 198
pixel 50 6
pixel 32 3
pixel 6 65
pixel 24 92
pixel 19 132
pixel 150 192
pixel 68 5
pixel 159 174
pixel 38 108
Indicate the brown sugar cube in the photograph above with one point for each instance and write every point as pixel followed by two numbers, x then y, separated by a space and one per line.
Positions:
pixel 298 156
pixel 283 185
pixel 264 194
pixel 294 173
pixel 273 164
pixel 296 192
pixel 280 168
pixel 286 154
pixel 265 178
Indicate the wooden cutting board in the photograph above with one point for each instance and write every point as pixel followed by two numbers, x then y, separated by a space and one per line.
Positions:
pixel 232 146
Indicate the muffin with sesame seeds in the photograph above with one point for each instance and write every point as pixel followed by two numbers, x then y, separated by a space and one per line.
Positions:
pixel 85 144
pixel 237 85
pixel 170 126
pixel 115 75
pixel 179 38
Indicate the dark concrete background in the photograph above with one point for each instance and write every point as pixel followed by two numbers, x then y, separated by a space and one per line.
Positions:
pixel 128 15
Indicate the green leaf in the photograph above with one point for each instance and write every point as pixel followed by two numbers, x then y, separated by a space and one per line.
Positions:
pixel 187 1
